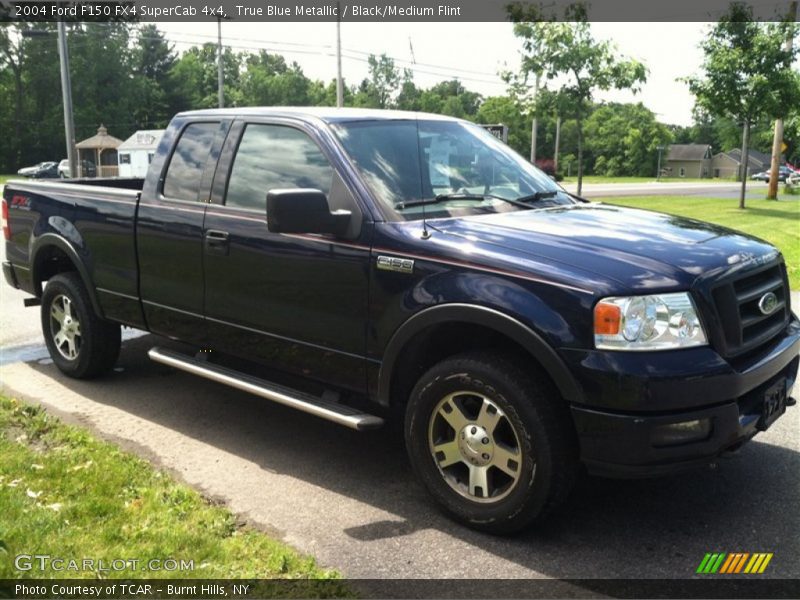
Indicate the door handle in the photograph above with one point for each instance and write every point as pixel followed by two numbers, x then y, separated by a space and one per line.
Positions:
pixel 216 241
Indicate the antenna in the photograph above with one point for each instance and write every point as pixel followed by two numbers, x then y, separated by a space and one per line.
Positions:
pixel 425 233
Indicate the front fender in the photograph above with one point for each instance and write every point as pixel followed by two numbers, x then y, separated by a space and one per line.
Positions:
pixel 523 335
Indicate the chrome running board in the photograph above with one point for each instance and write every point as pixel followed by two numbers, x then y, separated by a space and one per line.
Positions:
pixel 313 405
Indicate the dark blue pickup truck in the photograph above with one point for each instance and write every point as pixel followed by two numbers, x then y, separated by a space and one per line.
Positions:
pixel 412 267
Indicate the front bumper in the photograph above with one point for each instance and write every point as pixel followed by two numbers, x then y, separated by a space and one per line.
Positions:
pixel 628 442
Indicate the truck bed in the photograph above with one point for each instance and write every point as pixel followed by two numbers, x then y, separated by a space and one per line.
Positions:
pixel 97 217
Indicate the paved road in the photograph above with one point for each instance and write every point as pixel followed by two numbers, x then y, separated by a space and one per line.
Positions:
pixel 755 189
pixel 350 499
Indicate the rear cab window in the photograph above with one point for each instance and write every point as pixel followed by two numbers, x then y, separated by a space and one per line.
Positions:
pixel 188 161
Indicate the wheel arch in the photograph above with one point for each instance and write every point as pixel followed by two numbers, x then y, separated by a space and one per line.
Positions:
pixel 493 323
pixel 51 254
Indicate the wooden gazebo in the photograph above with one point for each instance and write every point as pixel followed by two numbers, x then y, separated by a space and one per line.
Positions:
pixel 101 151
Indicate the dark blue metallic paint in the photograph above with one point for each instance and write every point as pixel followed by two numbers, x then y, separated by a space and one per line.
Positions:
pixel 317 305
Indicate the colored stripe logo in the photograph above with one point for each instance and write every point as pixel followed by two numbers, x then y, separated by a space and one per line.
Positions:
pixel 734 563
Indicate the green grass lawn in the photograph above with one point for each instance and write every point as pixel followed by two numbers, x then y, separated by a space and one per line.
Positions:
pixel 4 178
pixel 66 494
pixel 776 222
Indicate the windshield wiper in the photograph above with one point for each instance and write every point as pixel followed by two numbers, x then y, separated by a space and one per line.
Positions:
pixel 536 196
pixel 439 198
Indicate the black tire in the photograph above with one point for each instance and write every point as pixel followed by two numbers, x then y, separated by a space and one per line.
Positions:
pixel 527 403
pixel 94 346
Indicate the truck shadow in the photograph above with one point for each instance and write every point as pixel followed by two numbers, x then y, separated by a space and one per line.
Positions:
pixel 643 528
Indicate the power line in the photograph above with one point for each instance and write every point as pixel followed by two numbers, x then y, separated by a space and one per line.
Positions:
pixel 413 67
pixel 328 48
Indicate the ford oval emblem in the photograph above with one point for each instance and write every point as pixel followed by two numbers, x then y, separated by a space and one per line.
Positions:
pixel 768 303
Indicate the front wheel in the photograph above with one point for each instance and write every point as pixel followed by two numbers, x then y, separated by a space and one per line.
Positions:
pixel 491 442
pixel 81 344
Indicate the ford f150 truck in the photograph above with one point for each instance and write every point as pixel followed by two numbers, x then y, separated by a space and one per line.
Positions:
pixel 412 267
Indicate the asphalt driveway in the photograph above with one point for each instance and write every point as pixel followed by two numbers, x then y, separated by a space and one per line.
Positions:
pixel 349 498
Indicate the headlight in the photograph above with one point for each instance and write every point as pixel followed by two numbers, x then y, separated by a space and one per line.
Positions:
pixel 658 322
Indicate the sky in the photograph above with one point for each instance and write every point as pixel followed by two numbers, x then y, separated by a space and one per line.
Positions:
pixel 473 52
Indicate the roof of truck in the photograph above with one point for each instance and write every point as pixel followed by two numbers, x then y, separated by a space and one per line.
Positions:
pixel 325 113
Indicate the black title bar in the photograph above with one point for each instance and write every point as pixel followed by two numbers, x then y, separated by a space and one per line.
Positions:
pixel 378 10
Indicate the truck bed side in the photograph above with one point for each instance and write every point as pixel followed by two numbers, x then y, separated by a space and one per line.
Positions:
pixel 77 226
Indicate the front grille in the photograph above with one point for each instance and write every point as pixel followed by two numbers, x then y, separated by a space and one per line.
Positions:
pixel 745 327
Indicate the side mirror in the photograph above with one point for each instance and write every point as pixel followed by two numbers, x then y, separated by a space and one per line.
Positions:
pixel 304 211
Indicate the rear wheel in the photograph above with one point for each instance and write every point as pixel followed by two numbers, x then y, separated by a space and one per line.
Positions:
pixel 491 442
pixel 81 344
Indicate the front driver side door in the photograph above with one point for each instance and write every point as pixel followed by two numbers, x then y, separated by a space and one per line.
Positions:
pixel 294 302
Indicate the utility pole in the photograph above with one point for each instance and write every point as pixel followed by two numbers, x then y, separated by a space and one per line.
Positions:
pixel 658 168
pixel 558 142
pixel 533 124
pixel 339 82
pixel 220 89
pixel 66 93
pixel 777 138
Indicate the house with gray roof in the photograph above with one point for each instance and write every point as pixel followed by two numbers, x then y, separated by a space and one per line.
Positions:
pixel 688 160
pixel 727 164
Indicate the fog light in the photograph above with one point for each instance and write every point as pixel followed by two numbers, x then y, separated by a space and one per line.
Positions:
pixel 684 432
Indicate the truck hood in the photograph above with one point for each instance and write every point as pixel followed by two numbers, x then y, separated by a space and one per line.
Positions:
pixel 636 248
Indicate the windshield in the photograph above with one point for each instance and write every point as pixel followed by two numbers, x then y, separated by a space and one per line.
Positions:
pixel 446 168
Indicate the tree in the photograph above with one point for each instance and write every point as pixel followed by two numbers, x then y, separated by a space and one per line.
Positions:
pixel 746 74
pixel 379 89
pixel 195 75
pixel 11 59
pixel 505 110
pixel 268 81
pixel 153 60
pixel 568 53
pixel 409 96
pixel 623 139
pixel 791 133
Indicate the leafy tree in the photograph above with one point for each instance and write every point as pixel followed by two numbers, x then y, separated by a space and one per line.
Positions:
pixel 623 139
pixel 11 89
pixel 568 53
pixel 409 96
pixel 268 81
pixel 153 61
pixel 456 100
pixel 378 90
pixel 506 110
pixel 722 133
pixel 791 135
pixel 195 74
pixel 320 94
pixel 747 73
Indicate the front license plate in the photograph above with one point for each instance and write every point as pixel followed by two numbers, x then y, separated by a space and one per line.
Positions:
pixel 774 404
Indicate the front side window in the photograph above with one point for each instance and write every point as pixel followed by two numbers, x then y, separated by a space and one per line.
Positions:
pixel 444 167
pixel 185 171
pixel 275 157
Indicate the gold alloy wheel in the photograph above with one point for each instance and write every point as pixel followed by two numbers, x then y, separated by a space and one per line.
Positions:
pixel 475 447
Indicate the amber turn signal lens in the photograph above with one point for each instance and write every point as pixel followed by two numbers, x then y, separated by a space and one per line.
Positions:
pixel 607 319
